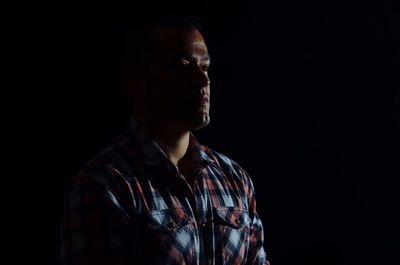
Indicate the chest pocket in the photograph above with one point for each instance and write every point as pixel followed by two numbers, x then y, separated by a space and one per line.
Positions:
pixel 167 221
pixel 167 232
pixel 233 226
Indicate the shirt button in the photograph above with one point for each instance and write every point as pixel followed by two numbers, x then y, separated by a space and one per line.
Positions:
pixel 171 225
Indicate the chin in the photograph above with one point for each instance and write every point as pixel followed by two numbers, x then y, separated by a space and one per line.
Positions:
pixel 200 122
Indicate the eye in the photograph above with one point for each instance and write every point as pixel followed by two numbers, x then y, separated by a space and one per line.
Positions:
pixel 205 67
pixel 184 62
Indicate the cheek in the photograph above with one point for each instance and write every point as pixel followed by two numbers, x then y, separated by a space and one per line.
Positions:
pixel 174 88
pixel 172 84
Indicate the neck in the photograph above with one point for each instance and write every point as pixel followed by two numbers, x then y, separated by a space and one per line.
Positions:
pixel 173 140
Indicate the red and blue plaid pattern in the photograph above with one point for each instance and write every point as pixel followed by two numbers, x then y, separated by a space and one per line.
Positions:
pixel 130 205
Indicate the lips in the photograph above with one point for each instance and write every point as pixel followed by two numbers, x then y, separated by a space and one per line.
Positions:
pixel 199 101
pixel 204 100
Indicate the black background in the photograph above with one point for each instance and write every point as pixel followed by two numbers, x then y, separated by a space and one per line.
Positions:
pixel 305 96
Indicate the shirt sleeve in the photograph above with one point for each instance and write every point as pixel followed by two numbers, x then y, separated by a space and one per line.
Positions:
pixel 94 227
pixel 257 254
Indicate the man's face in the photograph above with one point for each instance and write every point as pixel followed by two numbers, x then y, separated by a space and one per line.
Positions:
pixel 178 84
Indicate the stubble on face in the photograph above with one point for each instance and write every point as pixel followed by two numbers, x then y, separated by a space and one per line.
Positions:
pixel 183 86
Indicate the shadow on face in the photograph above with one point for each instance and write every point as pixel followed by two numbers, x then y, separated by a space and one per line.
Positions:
pixel 177 87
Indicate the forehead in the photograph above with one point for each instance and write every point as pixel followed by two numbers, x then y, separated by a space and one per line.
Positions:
pixel 170 40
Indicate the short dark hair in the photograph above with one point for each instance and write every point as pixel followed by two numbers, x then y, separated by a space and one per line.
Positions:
pixel 137 42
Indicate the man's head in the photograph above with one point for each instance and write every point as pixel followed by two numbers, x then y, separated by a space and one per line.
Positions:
pixel 170 80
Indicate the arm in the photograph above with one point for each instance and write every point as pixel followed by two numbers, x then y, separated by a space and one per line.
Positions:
pixel 94 227
pixel 257 254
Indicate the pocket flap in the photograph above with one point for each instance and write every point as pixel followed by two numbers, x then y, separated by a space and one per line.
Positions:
pixel 232 216
pixel 168 220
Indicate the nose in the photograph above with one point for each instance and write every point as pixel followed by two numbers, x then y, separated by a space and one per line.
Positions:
pixel 200 76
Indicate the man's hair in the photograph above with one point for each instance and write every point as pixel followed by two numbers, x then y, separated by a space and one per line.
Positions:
pixel 138 37
pixel 126 44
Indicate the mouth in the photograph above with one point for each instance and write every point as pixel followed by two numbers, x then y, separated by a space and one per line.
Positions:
pixel 204 100
pixel 200 102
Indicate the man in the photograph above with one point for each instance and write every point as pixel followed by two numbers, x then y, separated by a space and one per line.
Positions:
pixel 155 195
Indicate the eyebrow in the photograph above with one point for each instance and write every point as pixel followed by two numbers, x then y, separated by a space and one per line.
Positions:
pixel 205 57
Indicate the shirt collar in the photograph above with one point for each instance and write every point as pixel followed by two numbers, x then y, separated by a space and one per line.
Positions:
pixel 154 155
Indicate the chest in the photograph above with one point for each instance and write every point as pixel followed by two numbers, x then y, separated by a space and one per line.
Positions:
pixel 208 224
pixel 198 193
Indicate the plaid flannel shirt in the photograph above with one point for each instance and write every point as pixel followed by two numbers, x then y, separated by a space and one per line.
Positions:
pixel 131 205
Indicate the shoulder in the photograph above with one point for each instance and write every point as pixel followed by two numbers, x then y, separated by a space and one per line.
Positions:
pixel 223 160
pixel 227 165
pixel 101 170
pixel 96 184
